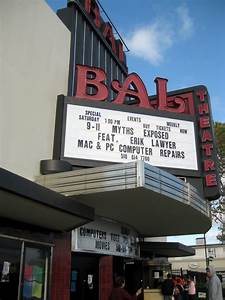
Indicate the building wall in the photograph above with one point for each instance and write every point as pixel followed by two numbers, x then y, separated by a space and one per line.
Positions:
pixel 34 64
pixel 61 268
pixel 197 262
pixel 156 239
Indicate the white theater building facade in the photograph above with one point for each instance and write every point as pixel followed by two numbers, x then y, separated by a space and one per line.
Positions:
pixel 111 164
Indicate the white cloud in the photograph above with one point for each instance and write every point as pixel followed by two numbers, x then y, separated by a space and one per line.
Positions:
pixel 186 23
pixel 151 42
pixel 211 235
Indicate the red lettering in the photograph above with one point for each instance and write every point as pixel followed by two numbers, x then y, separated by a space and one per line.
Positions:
pixel 93 9
pixel 84 81
pixel 203 108
pixel 208 149
pixel 209 164
pixel 201 93
pixel 120 50
pixel 204 122
pixel 161 90
pixel 206 136
pixel 185 102
pixel 210 180
pixel 138 92
pixel 181 105
pixel 108 34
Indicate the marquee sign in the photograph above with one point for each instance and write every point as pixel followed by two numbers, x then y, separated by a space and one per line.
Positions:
pixel 179 137
pixel 106 237
pixel 116 136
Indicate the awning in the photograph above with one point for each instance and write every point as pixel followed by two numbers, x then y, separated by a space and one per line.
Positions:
pixel 22 200
pixel 152 201
pixel 165 249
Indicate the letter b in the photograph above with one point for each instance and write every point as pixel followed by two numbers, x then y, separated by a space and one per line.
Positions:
pixel 91 77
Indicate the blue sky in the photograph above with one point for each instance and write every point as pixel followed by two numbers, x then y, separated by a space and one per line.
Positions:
pixel 181 40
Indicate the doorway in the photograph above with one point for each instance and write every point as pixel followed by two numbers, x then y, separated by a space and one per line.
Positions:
pixel 84 277
pixel 133 276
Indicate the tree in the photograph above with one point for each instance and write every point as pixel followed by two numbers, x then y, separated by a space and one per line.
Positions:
pixel 218 206
pixel 221 235
pixel 220 140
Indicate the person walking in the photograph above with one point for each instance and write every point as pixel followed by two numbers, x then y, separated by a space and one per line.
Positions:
pixel 214 284
pixel 119 293
pixel 178 293
pixel 168 287
pixel 191 288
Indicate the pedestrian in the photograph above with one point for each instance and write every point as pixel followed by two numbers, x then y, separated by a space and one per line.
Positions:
pixel 214 285
pixel 185 296
pixel 119 293
pixel 191 288
pixel 178 293
pixel 168 287
pixel 180 285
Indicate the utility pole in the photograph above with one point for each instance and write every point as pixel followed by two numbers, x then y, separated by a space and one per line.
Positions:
pixel 206 258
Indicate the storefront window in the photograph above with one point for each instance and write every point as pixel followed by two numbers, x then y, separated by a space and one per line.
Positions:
pixel 24 269
pixel 35 273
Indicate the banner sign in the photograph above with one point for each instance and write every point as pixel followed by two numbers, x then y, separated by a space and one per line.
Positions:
pixel 106 237
pixel 117 136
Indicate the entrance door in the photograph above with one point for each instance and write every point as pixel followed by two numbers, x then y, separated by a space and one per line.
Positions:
pixel 10 253
pixel 84 277
pixel 133 276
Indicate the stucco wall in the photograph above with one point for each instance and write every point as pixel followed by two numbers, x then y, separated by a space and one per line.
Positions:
pixel 34 62
pixel 198 261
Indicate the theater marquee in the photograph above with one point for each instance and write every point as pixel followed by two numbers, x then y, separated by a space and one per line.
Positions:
pixel 106 237
pixel 117 136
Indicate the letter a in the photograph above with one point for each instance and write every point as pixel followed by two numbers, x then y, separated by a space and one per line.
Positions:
pixel 93 9
pixel 138 92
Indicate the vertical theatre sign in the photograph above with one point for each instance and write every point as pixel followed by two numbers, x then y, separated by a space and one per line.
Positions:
pixel 207 146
